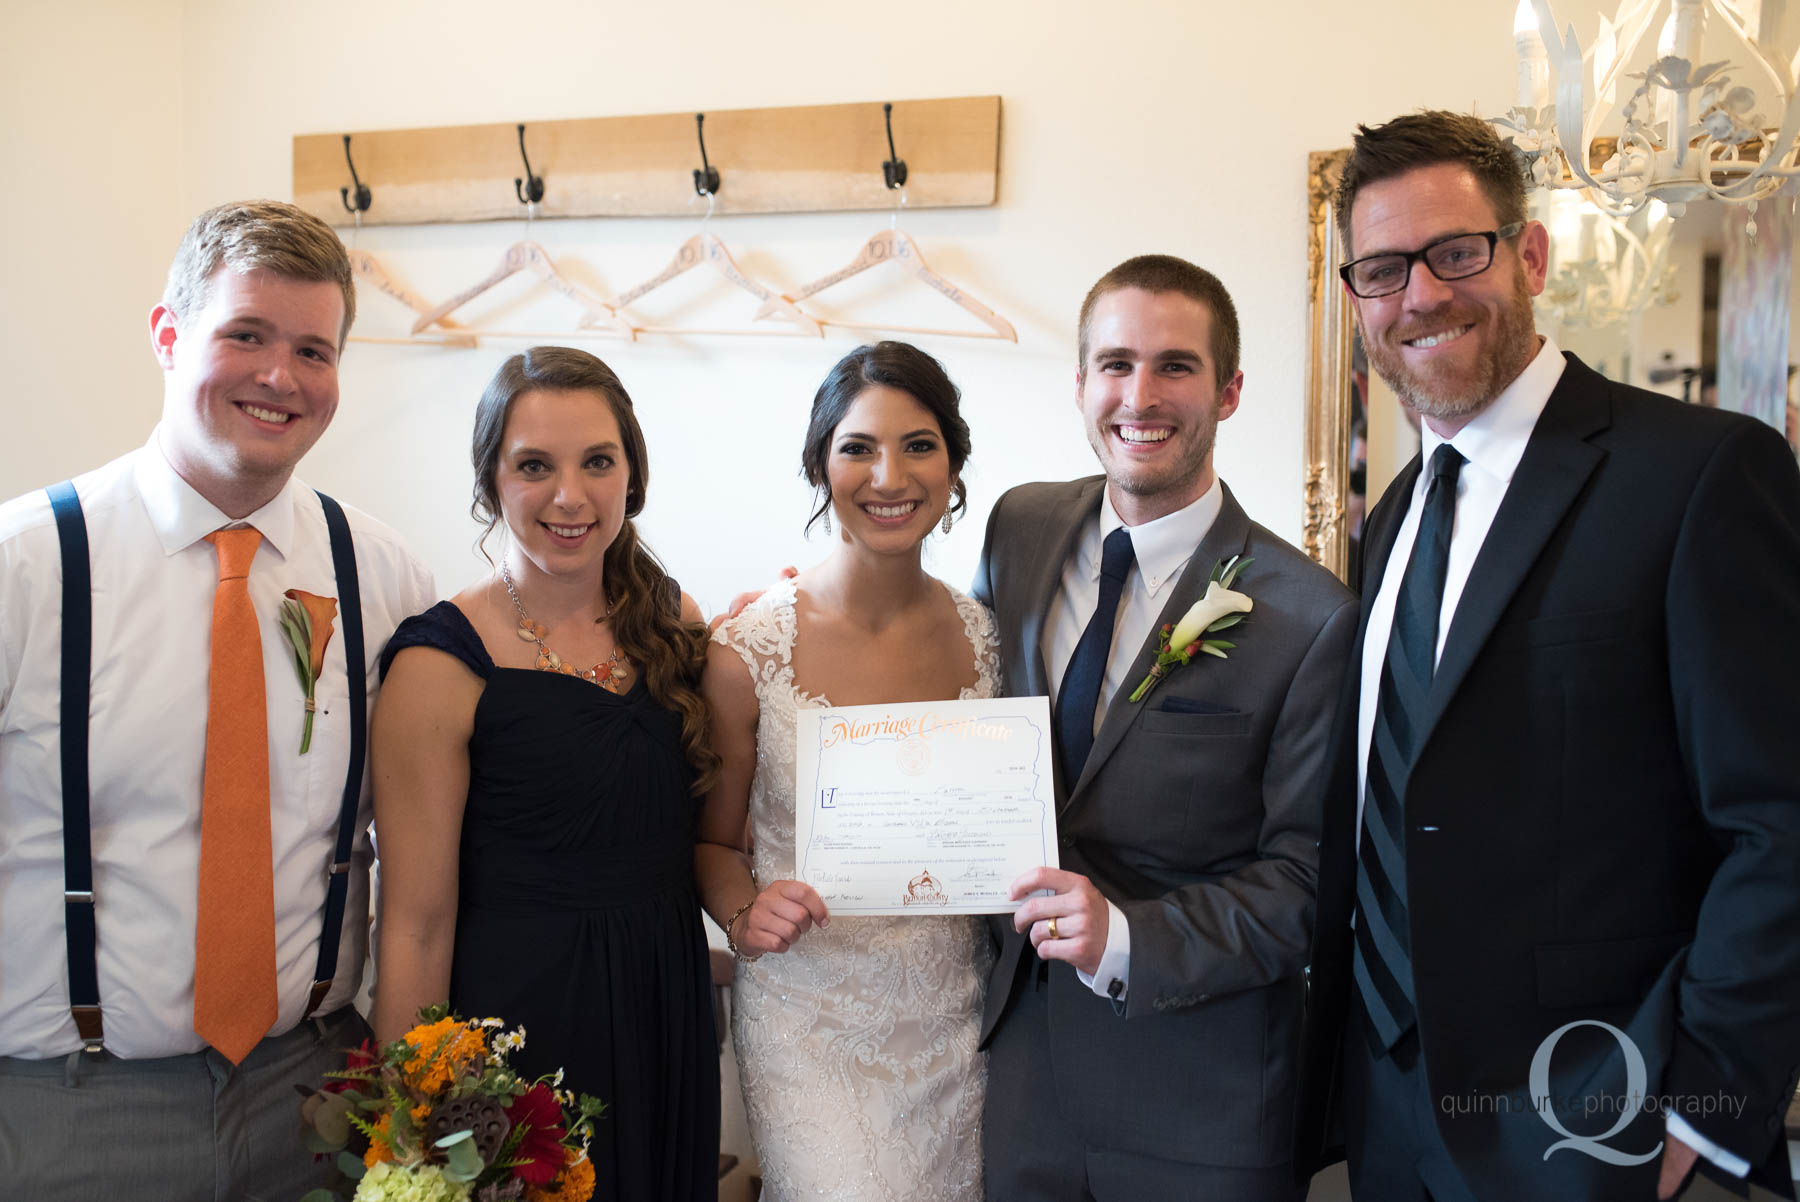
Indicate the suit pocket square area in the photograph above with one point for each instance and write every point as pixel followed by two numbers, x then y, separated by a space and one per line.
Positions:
pixel 1187 705
pixel 1214 723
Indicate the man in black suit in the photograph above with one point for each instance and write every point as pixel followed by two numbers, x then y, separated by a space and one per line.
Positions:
pixel 1142 1020
pixel 1560 876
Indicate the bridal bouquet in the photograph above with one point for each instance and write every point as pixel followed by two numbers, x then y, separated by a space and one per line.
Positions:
pixel 437 1116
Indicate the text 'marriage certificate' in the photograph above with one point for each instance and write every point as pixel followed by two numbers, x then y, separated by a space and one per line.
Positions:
pixel 930 807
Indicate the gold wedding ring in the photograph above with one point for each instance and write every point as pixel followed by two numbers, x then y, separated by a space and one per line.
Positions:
pixel 1053 933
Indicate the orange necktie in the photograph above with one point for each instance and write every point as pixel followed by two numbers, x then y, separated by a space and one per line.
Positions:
pixel 234 942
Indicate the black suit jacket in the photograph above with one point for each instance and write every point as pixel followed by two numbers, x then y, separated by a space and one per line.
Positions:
pixel 1197 814
pixel 1603 822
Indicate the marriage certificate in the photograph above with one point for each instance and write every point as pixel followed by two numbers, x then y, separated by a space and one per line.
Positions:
pixel 930 807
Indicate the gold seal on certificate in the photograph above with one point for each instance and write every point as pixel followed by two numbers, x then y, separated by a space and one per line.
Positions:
pixel 928 807
pixel 912 757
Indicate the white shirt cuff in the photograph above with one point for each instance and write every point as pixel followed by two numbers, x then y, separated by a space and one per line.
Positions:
pixel 1679 1127
pixel 1112 979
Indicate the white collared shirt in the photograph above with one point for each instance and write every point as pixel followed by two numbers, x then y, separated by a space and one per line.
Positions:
pixel 1493 443
pixel 153 582
pixel 1161 549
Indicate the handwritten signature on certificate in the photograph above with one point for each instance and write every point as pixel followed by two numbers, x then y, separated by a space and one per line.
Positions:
pixel 930 807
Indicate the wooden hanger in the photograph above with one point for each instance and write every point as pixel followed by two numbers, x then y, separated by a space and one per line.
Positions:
pixel 529 256
pixel 367 267
pixel 706 248
pixel 896 246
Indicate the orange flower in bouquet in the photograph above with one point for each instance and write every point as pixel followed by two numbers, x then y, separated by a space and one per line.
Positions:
pixel 575 1185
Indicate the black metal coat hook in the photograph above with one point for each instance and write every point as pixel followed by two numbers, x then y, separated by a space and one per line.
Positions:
pixel 530 190
pixel 893 170
pixel 706 176
pixel 364 197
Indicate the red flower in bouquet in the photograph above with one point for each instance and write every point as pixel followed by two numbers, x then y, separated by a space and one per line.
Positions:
pixel 538 1112
pixel 357 1059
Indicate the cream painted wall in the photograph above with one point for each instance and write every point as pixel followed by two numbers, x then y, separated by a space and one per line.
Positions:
pixel 90 213
pixel 1127 127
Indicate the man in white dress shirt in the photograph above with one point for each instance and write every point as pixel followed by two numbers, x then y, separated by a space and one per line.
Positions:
pixel 1142 1020
pixel 1557 892
pixel 164 1089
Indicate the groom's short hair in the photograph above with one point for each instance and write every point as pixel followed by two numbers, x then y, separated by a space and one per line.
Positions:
pixel 1166 273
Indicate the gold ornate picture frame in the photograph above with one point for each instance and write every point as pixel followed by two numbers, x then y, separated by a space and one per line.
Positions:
pixel 1329 330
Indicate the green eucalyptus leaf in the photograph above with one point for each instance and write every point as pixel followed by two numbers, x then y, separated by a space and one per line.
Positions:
pixel 462 1161
pixel 351 1166
pixel 319 1195
pixel 332 1119
pixel 1225 623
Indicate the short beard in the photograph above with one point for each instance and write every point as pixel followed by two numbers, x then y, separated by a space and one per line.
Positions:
pixel 1180 475
pixel 1514 345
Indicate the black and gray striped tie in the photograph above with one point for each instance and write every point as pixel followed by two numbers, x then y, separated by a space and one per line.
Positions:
pixel 1383 964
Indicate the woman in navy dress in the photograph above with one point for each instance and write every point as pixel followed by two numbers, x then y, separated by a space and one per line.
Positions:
pixel 538 752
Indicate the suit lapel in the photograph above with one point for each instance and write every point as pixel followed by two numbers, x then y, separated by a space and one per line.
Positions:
pixel 1229 535
pixel 1555 468
pixel 1383 528
pixel 1058 534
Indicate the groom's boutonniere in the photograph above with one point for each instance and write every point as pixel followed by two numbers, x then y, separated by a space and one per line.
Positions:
pixel 1220 609
pixel 306 621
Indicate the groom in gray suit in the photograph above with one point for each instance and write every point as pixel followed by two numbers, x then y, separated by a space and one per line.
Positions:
pixel 1142 1018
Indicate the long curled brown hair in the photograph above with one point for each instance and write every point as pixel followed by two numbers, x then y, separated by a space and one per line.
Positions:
pixel 647 623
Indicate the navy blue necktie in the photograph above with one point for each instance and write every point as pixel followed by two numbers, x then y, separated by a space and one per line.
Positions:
pixel 1087 667
pixel 1383 963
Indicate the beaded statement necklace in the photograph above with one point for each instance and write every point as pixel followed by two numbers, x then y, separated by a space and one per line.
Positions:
pixel 609 673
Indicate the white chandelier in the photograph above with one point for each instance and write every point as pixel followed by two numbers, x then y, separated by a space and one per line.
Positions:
pixel 1676 130
pixel 1605 268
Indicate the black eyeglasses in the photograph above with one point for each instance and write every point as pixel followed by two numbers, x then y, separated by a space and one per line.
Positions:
pixel 1454 258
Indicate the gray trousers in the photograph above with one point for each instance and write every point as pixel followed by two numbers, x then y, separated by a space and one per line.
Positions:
pixel 176 1129
pixel 1033 1149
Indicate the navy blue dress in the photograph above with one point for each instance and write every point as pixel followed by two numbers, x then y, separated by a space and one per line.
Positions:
pixel 576 910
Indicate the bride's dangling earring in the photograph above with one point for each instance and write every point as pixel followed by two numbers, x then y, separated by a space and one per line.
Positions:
pixel 945 524
pixel 826 517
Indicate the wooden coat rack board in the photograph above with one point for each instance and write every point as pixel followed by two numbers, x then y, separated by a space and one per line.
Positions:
pixel 809 159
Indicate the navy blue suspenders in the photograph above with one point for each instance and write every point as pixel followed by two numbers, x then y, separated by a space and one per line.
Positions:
pixel 78 856
pixel 77 664
pixel 343 563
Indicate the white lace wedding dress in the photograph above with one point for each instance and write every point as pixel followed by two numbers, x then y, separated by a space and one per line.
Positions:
pixel 856 1047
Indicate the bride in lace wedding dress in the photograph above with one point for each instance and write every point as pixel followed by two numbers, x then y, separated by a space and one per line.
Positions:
pixel 855 1036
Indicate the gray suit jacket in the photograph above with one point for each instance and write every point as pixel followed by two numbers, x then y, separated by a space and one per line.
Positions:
pixel 1198 815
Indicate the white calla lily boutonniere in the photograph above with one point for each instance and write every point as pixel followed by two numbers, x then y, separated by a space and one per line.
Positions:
pixel 1219 610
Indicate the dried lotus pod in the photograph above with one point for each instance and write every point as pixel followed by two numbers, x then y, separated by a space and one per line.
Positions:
pixel 483 1118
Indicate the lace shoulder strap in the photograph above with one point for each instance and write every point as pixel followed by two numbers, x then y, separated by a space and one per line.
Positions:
pixel 763 632
pixel 984 639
